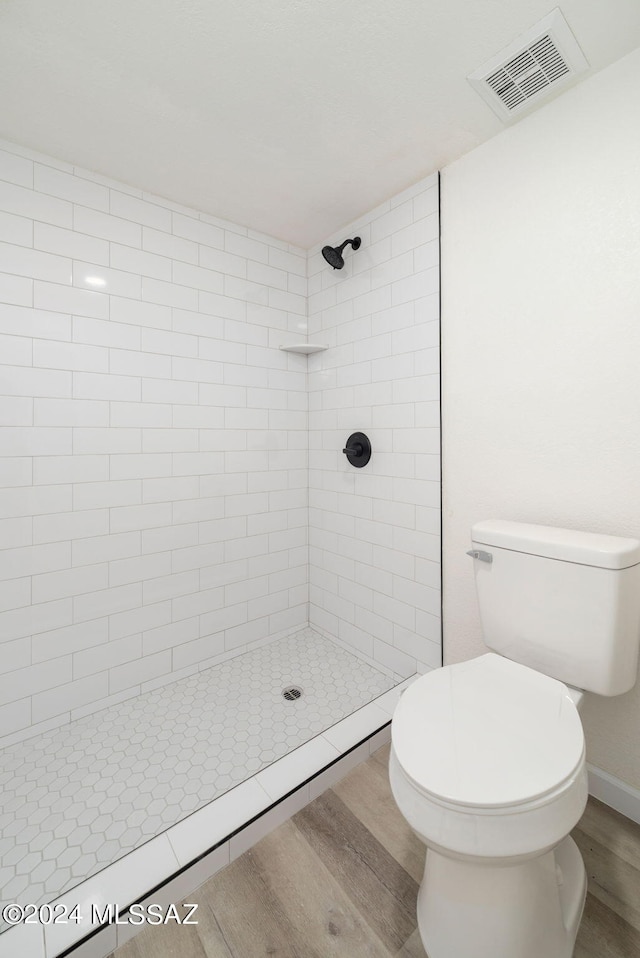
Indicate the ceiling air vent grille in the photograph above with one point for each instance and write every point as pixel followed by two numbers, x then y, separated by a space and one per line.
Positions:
pixel 528 73
pixel 532 67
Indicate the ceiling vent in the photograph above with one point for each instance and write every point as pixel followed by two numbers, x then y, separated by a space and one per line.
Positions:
pixel 534 66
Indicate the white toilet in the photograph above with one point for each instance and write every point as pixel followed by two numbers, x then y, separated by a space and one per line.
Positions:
pixel 488 758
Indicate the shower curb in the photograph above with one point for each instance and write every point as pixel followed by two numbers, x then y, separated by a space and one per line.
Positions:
pixel 187 854
pixel 191 876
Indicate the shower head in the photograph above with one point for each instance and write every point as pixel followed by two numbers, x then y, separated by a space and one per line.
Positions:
pixel 333 254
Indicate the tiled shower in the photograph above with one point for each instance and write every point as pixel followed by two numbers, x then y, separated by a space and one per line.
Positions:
pixel 177 515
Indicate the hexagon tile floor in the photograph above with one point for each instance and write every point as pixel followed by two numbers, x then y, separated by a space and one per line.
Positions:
pixel 77 798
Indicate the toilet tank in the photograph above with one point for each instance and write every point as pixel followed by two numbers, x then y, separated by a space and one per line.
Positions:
pixel 562 602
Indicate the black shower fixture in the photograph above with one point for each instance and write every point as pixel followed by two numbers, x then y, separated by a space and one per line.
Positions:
pixel 358 449
pixel 333 254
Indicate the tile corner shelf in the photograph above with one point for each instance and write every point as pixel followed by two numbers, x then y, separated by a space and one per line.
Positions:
pixel 304 348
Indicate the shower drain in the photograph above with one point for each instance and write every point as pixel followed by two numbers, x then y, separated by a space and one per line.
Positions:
pixel 291 693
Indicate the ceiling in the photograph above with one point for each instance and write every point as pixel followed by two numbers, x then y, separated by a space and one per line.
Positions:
pixel 291 117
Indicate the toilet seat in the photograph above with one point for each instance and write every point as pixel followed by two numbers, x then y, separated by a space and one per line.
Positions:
pixel 488 734
pixel 488 760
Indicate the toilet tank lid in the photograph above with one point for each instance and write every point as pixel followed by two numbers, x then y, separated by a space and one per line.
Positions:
pixel 568 545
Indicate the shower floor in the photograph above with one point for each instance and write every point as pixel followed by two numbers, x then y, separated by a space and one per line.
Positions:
pixel 78 798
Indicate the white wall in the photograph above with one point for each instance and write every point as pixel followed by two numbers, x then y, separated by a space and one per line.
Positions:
pixel 541 348
pixel 153 509
pixel 375 532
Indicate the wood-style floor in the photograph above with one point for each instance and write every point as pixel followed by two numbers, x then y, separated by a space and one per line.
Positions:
pixel 339 880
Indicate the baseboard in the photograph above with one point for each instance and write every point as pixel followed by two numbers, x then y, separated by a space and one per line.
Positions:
pixel 614 793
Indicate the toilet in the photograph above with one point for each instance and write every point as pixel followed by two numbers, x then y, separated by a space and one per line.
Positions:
pixel 487 760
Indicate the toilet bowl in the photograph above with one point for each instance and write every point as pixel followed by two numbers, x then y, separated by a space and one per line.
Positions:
pixel 488 761
pixel 488 767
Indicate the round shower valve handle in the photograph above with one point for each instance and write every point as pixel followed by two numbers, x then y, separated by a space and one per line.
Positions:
pixel 358 449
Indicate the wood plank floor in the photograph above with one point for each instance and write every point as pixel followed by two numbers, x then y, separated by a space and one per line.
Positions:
pixel 339 880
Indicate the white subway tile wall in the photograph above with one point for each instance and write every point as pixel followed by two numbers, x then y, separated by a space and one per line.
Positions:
pixel 160 449
pixel 374 533
pixel 153 513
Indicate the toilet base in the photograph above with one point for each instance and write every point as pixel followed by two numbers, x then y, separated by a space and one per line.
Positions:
pixel 526 910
